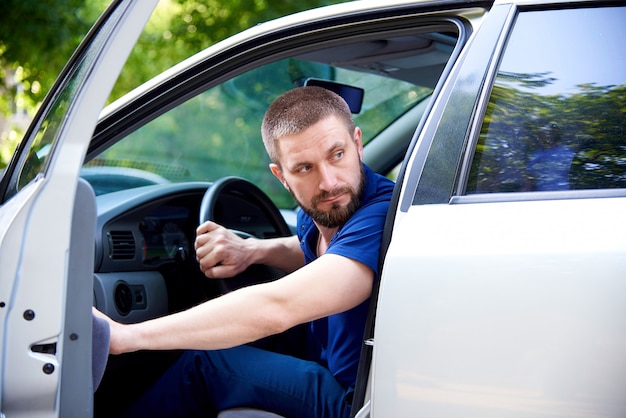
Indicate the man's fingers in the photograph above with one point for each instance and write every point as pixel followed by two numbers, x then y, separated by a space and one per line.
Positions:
pixel 218 251
pixel 221 271
pixel 207 226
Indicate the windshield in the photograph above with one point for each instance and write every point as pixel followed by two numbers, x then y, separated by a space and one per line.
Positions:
pixel 218 133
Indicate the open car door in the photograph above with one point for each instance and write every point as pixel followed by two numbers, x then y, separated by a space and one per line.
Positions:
pixel 47 226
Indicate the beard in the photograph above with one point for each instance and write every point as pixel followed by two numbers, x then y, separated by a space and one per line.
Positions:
pixel 337 215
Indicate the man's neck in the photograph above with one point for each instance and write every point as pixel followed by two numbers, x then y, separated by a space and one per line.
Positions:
pixel 324 237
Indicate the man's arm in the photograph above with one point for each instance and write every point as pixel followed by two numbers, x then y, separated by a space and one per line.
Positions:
pixel 329 285
pixel 222 254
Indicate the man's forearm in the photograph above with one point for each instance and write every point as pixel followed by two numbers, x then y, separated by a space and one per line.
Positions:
pixel 216 324
pixel 282 253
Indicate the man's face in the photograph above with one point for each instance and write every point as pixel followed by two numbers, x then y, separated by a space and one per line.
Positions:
pixel 321 167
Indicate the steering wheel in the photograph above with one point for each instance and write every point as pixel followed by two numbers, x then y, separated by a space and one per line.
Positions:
pixel 245 190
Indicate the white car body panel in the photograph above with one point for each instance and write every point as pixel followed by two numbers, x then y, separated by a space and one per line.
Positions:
pixel 470 293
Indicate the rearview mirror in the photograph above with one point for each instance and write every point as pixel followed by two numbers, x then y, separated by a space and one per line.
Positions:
pixel 352 95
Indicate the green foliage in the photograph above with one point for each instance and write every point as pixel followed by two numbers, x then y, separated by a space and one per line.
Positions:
pixel 180 28
pixel 37 37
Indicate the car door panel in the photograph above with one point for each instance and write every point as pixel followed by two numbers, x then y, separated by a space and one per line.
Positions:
pixel 507 302
pixel 500 320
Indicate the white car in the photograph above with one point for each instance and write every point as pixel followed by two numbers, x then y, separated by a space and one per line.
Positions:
pixel 503 288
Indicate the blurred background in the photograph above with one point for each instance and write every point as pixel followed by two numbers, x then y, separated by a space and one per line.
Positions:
pixel 37 37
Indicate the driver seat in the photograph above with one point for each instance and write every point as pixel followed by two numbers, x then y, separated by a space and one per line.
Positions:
pixel 246 413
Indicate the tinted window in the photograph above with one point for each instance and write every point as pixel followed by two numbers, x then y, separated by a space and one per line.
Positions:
pixel 556 118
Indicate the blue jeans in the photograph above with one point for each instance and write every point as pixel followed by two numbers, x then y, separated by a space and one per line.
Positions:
pixel 201 383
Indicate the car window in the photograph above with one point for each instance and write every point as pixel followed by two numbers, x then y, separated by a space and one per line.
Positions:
pixel 218 133
pixel 556 118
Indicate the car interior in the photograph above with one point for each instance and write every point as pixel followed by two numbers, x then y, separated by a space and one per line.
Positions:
pixel 161 167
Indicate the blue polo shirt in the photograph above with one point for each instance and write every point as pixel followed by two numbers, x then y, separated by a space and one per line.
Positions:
pixel 336 340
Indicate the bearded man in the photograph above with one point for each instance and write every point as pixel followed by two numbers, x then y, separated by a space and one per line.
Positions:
pixel 332 263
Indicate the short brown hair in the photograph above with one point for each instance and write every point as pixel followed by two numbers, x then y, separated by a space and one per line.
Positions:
pixel 298 109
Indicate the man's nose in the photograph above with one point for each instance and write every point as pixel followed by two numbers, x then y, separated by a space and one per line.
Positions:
pixel 328 179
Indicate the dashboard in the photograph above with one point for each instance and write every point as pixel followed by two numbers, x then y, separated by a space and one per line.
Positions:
pixel 145 262
pixel 147 230
pixel 163 236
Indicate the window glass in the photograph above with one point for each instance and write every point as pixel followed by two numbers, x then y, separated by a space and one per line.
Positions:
pixel 556 119
pixel 218 133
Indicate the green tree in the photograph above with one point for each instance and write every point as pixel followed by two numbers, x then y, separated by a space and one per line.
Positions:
pixel 180 28
pixel 38 36
pixel 36 39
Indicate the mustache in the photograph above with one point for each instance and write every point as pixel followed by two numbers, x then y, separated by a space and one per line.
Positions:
pixel 330 194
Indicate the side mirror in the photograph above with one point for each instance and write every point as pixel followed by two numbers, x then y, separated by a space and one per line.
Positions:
pixel 352 95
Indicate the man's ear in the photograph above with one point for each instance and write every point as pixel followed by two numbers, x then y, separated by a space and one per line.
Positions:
pixel 278 173
pixel 358 140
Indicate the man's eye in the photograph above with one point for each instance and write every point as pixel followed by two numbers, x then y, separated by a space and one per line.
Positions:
pixel 338 155
pixel 304 169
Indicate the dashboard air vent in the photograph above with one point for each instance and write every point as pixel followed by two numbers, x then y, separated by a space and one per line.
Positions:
pixel 121 245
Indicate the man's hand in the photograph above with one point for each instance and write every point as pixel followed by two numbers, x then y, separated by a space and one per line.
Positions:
pixel 221 253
